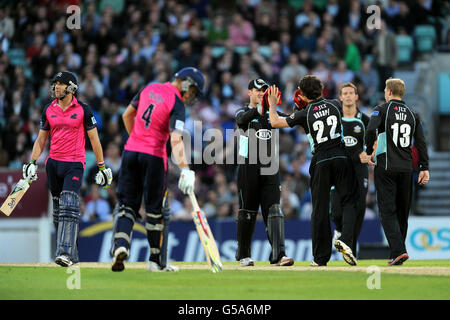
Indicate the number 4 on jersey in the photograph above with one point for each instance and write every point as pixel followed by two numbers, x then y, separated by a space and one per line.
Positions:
pixel 146 115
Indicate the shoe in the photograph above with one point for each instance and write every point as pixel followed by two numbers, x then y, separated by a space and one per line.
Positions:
pixel 63 260
pixel 285 262
pixel 247 262
pixel 120 255
pixel 399 260
pixel 154 267
pixel 347 253
pixel 170 268
pixel 336 236
pixel 315 264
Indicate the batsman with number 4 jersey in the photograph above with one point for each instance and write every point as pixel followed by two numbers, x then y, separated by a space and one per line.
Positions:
pixel 330 165
pixel 66 120
pixel 155 114
pixel 396 126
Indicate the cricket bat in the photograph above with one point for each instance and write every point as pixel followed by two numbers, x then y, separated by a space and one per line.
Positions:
pixel 206 237
pixel 14 197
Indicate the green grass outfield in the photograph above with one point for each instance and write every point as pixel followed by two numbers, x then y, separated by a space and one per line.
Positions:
pixel 420 280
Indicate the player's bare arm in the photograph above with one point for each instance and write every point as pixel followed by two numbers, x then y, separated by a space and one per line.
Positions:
pixel 275 120
pixel 39 144
pixel 29 170
pixel 96 145
pixel 176 142
pixel 104 176
pixel 128 118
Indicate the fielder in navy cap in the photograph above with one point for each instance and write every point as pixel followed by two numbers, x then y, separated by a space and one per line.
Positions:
pixel 258 84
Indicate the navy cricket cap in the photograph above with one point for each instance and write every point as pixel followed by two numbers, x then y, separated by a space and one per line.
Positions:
pixel 65 77
pixel 258 84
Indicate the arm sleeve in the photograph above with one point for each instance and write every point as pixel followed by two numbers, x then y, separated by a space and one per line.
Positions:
pixel 282 114
pixel 135 101
pixel 421 145
pixel 371 133
pixel 177 116
pixel 245 115
pixel 297 118
pixel 89 120
pixel 365 119
pixel 44 124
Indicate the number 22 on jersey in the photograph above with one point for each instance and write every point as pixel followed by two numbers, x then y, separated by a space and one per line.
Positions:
pixel 319 126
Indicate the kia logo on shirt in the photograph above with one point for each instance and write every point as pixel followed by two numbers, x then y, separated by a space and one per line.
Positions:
pixel 263 134
pixel 350 141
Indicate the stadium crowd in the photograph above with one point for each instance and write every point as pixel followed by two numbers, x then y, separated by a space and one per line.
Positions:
pixel 123 45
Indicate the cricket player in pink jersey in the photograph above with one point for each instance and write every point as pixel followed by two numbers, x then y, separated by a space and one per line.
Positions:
pixel 155 114
pixel 66 120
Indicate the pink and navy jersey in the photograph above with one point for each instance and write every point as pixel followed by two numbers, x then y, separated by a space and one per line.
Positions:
pixel 160 110
pixel 67 130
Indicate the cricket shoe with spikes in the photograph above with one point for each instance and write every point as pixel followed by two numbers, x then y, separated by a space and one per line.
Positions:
pixel 399 260
pixel 170 268
pixel 247 262
pixel 63 260
pixel 285 262
pixel 347 253
pixel 154 267
pixel 120 255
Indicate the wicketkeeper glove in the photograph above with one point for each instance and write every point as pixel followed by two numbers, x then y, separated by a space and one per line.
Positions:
pixel 104 176
pixel 265 101
pixel 299 103
pixel 187 181
pixel 29 171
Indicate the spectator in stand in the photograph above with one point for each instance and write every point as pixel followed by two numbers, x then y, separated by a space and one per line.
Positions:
pixel 97 208
pixel 369 78
pixel 342 74
pixel 217 31
pixel 241 32
pixel 385 51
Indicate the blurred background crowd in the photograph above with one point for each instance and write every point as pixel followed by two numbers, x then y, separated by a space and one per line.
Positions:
pixel 123 45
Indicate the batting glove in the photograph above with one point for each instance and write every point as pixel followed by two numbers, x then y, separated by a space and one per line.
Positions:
pixel 104 177
pixel 29 171
pixel 187 181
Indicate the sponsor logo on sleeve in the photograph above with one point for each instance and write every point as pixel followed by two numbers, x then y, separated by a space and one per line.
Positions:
pixel 179 125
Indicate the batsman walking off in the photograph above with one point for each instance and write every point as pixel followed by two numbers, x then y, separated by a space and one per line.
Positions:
pixel 394 125
pixel 66 119
pixel 254 186
pixel 156 113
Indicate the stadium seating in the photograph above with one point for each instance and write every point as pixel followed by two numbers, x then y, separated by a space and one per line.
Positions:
pixel 405 45
pixel 425 37
pixel 17 57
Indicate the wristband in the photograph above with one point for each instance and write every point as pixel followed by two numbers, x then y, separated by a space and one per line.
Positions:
pixel 32 161
pixel 101 165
